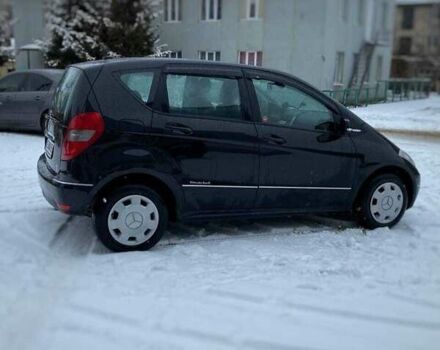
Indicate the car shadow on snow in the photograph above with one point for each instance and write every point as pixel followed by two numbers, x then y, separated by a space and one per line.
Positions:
pixel 76 235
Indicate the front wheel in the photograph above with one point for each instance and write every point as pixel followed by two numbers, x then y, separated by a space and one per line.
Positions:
pixel 131 218
pixel 383 203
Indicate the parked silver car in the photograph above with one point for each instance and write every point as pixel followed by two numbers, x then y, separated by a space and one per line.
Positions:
pixel 25 98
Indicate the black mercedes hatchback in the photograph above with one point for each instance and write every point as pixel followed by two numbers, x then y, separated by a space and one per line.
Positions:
pixel 135 143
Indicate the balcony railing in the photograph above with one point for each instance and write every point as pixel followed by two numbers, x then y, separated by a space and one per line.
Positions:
pixel 383 91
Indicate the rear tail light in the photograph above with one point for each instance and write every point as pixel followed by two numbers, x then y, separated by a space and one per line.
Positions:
pixel 83 131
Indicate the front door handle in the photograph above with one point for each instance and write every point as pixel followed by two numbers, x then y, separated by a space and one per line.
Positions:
pixel 37 98
pixel 278 140
pixel 177 128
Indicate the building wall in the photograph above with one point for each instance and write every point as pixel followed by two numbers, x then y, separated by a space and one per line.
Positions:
pixel 28 27
pixel 298 36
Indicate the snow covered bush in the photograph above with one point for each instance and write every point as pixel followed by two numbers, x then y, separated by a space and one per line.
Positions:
pixel 85 30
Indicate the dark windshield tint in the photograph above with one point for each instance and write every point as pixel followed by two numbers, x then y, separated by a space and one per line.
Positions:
pixel 64 94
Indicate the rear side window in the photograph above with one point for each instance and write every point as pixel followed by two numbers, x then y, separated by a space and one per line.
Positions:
pixel 36 82
pixel 139 83
pixel 70 94
pixel 203 96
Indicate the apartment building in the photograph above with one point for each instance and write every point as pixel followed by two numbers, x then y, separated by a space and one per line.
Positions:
pixel 326 42
pixel 417 40
pixel 329 43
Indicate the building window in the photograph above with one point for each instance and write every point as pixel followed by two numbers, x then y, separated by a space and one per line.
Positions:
pixel 345 10
pixel 405 44
pixel 174 54
pixel 379 68
pixel 339 69
pixel 253 7
pixel 172 10
pixel 210 55
pixel 361 12
pixel 407 17
pixel 211 10
pixel 251 58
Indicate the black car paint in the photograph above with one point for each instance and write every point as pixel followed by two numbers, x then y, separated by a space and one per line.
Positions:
pixel 180 155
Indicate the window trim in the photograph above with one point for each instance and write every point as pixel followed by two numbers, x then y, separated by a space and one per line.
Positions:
pixel 167 11
pixel 247 54
pixel 257 10
pixel 162 104
pixel 205 5
pixel 250 74
pixel 176 53
pixel 215 52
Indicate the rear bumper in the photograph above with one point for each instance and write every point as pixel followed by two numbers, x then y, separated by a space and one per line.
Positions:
pixel 64 194
pixel 416 189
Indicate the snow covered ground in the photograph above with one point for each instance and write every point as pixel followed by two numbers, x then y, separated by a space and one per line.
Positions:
pixel 299 283
pixel 421 116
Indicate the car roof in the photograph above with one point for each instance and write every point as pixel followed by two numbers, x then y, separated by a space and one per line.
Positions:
pixel 160 62
pixel 52 74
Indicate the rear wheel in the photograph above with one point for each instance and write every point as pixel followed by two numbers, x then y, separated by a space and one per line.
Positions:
pixel 131 218
pixel 383 202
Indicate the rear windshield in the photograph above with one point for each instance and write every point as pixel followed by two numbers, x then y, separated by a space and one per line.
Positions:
pixel 69 94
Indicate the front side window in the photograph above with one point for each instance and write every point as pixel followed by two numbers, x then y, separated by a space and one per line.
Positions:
pixel 251 58
pixel 211 10
pixel 210 55
pixel 36 82
pixel 172 10
pixel 203 96
pixel 139 83
pixel 11 83
pixel 284 105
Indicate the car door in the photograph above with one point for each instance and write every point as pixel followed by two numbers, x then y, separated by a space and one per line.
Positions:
pixel 31 99
pixel 203 125
pixel 9 86
pixel 306 161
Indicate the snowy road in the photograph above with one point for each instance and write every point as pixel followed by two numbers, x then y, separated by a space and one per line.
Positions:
pixel 302 283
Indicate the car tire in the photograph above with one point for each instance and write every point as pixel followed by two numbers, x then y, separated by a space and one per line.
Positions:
pixel 130 218
pixel 383 202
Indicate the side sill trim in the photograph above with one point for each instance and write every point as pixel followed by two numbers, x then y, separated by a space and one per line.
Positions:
pixel 220 186
pixel 271 187
pixel 72 183
pixel 305 188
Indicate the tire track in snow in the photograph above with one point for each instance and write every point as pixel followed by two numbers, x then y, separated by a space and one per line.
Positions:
pixel 34 306
pixel 330 312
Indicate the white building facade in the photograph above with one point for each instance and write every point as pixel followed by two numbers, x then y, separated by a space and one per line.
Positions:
pixel 320 41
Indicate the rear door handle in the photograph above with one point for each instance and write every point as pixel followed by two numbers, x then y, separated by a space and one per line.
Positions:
pixel 274 139
pixel 177 128
pixel 37 98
